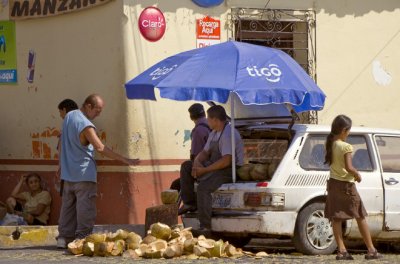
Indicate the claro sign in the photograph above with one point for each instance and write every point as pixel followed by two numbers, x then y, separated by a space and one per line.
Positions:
pixel 24 9
pixel 152 24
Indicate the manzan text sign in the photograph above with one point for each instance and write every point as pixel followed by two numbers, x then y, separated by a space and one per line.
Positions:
pixel 24 9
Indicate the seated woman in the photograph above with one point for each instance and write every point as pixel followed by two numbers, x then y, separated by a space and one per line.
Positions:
pixel 34 205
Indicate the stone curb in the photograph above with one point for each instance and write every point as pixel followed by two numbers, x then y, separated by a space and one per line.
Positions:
pixel 40 236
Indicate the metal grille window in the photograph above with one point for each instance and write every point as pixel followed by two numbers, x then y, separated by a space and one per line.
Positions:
pixel 292 31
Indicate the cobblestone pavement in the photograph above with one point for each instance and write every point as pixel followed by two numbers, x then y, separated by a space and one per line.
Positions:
pixel 284 254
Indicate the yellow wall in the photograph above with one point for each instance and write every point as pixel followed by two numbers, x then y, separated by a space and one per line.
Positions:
pixel 76 54
pixel 98 50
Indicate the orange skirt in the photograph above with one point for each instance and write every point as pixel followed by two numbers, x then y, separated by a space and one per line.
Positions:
pixel 343 201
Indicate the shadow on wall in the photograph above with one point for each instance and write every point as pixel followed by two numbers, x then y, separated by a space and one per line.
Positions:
pixel 340 8
pixel 355 8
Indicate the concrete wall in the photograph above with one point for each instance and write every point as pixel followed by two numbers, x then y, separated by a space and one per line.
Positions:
pixel 98 50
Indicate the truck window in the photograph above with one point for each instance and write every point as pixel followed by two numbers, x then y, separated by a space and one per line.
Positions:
pixel 389 151
pixel 312 156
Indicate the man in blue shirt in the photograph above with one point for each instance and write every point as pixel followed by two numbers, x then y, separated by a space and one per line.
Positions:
pixel 78 170
pixel 211 168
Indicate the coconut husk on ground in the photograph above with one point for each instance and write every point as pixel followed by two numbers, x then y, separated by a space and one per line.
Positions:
pixel 161 242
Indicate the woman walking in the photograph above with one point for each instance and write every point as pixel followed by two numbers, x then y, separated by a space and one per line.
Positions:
pixel 343 201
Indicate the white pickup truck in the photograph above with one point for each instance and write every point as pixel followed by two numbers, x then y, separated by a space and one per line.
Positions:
pixel 290 203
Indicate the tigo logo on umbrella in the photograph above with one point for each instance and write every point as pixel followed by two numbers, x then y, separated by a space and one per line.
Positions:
pixel 271 74
pixel 157 73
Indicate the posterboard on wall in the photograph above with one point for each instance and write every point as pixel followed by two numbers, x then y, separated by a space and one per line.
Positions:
pixel 208 32
pixel 8 53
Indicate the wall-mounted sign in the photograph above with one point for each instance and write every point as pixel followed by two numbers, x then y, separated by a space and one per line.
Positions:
pixel 152 24
pixel 208 3
pixel 23 9
pixel 8 52
pixel 208 32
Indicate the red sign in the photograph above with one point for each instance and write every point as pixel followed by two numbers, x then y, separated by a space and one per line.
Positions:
pixel 152 24
pixel 208 28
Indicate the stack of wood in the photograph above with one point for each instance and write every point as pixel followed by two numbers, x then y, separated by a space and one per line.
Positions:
pixel 161 242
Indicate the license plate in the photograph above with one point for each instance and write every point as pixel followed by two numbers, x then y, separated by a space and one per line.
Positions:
pixel 221 200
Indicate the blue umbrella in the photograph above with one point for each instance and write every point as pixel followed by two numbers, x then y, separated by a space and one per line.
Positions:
pixel 256 74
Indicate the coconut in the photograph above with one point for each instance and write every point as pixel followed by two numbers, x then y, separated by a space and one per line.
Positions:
pixel 169 196
pixel 189 244
pixel 272 168
pixel 175 233
pixel 186 234
pixel 96 238
pixel 149 239
pixel 201 237
pixel 259 172
pixel 118 248
pixel 201 252
pixel 231 251
pixel 133 240
pixel 103 249
pixel 142 249
pixel 120 234
pixel 161 231
pixel 153 254
pixel 173 251
pixel 130 253
pixel 192 256
pixel 244 172
pixel 262 254
pixel 76 246
pixel 207 244
pixel 88 249
pixel 159 244
pixel 218 249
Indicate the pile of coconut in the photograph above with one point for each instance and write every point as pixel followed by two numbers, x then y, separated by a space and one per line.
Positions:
pixel 258 171
pixel 160 242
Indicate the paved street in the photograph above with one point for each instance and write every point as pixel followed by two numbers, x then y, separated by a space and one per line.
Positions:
pixel 283 253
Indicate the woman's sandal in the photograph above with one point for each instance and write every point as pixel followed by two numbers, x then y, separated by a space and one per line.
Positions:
pixel 344 256
pixel 373 255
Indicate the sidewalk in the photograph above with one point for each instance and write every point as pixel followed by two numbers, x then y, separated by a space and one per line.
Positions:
pixel 42 236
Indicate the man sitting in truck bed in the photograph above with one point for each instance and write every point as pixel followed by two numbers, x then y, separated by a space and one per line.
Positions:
pixel 211 168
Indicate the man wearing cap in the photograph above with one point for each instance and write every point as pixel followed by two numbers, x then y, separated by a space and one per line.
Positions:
pixel 212 167
pixel 198 136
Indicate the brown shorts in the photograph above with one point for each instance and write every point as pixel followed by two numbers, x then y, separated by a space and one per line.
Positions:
pixel 343 201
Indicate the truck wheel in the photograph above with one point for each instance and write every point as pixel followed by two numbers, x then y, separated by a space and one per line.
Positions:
pixel 313 234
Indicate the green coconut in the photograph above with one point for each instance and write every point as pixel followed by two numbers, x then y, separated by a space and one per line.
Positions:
pixel 160 231
pixel 272 168
pixel 169 196
pixel 88 249
pixel 149 239
pixel 103 249
pixel 153 254
pixel 207 244
pixel 173 251
pixel 76 246
pixel 259 172
pixel 96 238
pixel 130 253
pixel 218 250
pixel 189 244
pixel 118 248
pixel 133 240
pixel 120 234
pixel 201 252
pixel 244 172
